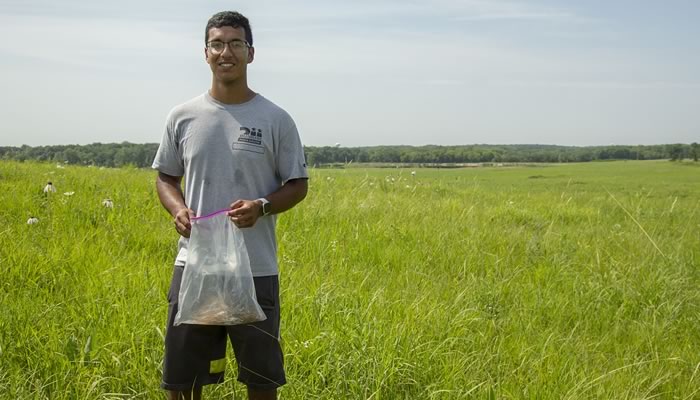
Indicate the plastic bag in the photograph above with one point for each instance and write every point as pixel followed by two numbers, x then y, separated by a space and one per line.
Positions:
pixel 217 284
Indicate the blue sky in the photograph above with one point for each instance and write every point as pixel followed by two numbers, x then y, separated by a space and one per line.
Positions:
pixel 365 72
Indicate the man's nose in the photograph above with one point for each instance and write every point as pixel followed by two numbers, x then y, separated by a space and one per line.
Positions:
pixel 227 48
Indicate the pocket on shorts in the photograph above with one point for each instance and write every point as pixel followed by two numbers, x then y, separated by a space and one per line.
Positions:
pixel 174 290
pixel 266 292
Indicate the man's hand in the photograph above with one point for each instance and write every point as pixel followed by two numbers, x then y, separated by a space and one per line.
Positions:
pixel 245 213
pixel 183 226
pixel 170 195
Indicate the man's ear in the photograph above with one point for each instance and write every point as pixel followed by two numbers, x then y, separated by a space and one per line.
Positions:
pixel 206 56
pixel 251 54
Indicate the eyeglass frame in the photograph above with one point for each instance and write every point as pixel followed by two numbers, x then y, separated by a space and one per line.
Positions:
pixel 208 44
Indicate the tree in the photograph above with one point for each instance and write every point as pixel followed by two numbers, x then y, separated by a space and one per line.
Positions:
pixel 676 152
pixel 71 156
pixel 695 151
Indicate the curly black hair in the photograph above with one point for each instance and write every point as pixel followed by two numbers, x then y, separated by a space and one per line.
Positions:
pixel 229 18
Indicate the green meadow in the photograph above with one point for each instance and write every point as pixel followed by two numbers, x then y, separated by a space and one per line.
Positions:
pixel 575 281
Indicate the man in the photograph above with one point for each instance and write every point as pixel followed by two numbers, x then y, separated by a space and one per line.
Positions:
pixel 234 149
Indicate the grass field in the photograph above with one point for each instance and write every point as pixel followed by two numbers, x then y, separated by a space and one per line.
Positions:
pixel 572 281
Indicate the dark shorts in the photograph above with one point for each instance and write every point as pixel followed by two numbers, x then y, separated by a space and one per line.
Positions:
pixel 195 355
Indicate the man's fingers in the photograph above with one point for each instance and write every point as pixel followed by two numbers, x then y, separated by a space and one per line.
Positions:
pixel 243 222
pixel 182 229
pixel 185 231
pixel 183 223
pixel 243 211
pixel 237 204
pixel 183 217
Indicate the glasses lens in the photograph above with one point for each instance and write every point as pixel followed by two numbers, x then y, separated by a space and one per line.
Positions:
pixel 238 44
pixel 216 46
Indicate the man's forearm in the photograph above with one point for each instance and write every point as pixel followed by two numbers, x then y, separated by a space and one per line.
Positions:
pixel 170 193
pixel 289 195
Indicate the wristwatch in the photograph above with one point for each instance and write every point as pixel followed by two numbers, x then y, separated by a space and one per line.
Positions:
pixel 266 206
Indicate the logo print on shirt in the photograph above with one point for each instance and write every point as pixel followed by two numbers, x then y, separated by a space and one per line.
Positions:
pixel 249 139
pixel 250 135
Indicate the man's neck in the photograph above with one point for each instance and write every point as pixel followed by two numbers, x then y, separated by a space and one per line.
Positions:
pixel 231 94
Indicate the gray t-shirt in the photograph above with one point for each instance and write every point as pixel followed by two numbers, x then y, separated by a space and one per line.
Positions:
pixel 227 152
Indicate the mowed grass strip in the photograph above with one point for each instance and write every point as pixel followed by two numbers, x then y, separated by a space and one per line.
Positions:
pixel 559 281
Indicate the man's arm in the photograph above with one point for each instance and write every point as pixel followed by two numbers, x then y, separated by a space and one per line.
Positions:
pixel 286 197
pixel 172 199
pixel 244 213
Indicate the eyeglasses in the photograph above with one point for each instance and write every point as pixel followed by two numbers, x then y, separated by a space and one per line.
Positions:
pixel 217 46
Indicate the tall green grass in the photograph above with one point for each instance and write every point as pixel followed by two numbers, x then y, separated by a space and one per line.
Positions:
pixel 553 282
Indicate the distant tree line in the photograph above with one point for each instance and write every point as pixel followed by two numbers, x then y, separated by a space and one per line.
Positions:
pixel 484 153
pixel 100 154
pixel 141 155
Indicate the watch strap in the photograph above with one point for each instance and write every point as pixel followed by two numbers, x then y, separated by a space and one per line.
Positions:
pixel 265 208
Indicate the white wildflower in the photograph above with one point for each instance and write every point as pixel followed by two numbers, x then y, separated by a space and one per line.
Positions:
pixel 49 188
pixel 32 221
pixel 413 173
pixel 68 193
pixel 59 166
pixel 107 203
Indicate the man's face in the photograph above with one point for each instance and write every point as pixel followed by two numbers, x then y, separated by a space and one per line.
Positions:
pixel 230 63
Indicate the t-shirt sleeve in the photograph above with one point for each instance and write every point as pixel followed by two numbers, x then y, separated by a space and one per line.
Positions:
pixel 291 163
pixel 168 158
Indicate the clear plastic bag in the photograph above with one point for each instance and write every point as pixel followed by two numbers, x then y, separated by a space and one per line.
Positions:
pixel 217 284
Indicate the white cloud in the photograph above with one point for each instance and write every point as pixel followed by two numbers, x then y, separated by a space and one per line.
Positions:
pixel 518 15
pixel 370 10
pixel 595 85
pixel 93 43
pixel 510 10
